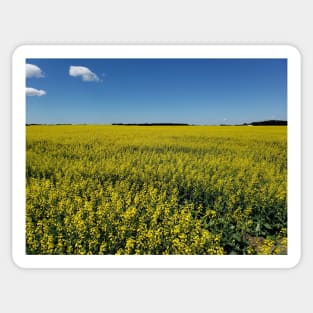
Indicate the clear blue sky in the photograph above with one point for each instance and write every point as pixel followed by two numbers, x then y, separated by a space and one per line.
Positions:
pixel 197 91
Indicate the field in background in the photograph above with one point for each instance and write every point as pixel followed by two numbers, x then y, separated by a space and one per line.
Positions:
pixel 156 190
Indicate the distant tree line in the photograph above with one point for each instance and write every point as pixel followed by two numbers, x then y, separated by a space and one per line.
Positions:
pixel 269 123
pixel 262 123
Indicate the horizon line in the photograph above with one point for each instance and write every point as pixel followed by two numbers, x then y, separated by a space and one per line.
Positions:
pixel 263 122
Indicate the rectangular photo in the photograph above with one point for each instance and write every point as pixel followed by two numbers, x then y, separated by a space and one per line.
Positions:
pixel 156 156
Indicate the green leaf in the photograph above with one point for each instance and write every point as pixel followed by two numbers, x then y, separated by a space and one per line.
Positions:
pixel 257 229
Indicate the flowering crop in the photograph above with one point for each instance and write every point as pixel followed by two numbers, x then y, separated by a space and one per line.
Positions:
pixel 156 190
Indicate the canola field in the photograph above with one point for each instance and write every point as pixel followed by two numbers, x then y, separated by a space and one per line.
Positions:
pixel 156 190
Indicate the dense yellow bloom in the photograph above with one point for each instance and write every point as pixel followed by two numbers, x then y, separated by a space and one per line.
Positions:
pixel 156 190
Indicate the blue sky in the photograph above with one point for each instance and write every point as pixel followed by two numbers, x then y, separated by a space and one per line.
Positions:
pixel 196 91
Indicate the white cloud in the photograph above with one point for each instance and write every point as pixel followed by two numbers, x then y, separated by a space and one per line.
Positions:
pixel 33 71
pixel 34 92
pixel 84 72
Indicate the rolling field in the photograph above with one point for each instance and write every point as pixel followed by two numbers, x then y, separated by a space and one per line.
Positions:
pixel 156 190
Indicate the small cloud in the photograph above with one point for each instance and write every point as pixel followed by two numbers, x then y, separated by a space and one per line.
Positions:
pixel 84 72
pixel 225 119
pixel 33 71
pixel 34 92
